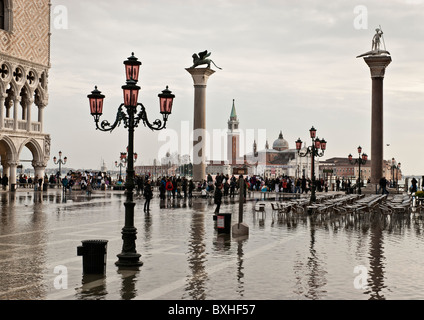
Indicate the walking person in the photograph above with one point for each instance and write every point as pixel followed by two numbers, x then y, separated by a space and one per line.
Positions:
pixel 383 186
pixel 218 197
pixel 148 195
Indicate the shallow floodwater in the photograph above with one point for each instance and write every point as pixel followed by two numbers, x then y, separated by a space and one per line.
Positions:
pixel 300 257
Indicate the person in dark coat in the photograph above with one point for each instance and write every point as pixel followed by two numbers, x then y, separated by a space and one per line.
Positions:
pixel 5 181
pixel 218 197
pixel 148 195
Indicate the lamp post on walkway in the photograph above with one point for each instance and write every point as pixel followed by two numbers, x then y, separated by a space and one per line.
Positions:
pixel 123 162
pixel 395 166
pixel 131 117
pixel 313 151
pixel 362 159
pixel 60 162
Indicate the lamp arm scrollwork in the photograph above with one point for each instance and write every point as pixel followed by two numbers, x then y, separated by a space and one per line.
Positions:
pixel 106 126
pixel 142 116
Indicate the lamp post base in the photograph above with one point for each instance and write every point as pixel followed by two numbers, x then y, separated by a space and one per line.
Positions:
pixel 129 260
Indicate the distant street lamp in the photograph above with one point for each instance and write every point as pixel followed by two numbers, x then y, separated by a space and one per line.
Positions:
pixel 60 162
pixel 313 151
pixel 128 114
pixel 362 159
pixel 123 162
pixel 395 166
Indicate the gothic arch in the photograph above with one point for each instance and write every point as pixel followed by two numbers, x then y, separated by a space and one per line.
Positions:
pixel 35 148
pixel 7 149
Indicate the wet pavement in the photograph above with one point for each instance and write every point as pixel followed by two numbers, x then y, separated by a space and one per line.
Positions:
pixel 184 258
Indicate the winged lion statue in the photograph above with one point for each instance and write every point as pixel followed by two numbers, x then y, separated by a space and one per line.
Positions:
pixel 202 58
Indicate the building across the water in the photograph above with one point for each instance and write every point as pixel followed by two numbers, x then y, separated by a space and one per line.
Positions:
pixel 279 160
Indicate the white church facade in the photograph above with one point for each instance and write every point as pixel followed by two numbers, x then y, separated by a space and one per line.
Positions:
pixel 279 160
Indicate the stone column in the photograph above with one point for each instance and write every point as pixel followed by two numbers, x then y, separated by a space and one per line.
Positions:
pixel 39 170
pixel 377 65
pixel 200 79
pixel 28 103
pixel 12 177
pixel 41 116
pixel 2 109
pixel 15 112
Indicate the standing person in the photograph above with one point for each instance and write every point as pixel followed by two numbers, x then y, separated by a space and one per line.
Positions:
pixel 5 181
pixel 162 188
pixel 65 184
pixel 191 187
pixel 297 185
pixel 148 195
pixel 184 187
pixel 218 197
pixel 383 186
pixel 303 184
pixel 232 187
pixel 414 184
pixel 338 184
pixel 422 183
pixel 169 187
pixel 89 188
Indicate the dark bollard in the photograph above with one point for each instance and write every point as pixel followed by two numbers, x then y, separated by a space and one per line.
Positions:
pixel 93 254
pixel 223 222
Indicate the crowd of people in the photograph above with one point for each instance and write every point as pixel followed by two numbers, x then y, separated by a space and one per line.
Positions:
pixel 181 187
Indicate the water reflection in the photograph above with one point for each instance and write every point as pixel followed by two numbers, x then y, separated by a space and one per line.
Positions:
pixel 93 287
pixel 240 267
pixel 324 246
pixel 22 254
pixel 196 281
pixel 316 270
pixel 128 289
pixel 377 261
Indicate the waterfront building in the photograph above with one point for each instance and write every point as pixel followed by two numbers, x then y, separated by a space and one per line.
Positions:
pixel 24 67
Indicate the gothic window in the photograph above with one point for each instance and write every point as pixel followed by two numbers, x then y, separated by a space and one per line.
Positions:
pixel 2 26
pixel 6 15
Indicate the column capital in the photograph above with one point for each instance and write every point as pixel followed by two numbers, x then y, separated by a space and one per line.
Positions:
pixel 200 75
pixel 38 164
pixel 12 163
pixel 377 65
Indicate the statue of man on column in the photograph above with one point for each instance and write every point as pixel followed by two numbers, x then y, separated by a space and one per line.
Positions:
pixel 377 39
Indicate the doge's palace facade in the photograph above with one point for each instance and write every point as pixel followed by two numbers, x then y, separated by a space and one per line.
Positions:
pixel 24 66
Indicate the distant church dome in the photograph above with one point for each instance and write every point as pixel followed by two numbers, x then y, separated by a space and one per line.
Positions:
pixel 280 144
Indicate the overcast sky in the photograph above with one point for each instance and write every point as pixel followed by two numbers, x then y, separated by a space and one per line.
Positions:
pixel 289 65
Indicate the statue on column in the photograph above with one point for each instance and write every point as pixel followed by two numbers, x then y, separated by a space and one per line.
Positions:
pixel 376 42
pixel 202 58
pixel 377 39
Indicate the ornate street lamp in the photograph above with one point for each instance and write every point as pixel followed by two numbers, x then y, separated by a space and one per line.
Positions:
pixel 362 159
pixel 315 150
pixel 60 162
pixel 395 166
pixel 123 162
pixel 131 117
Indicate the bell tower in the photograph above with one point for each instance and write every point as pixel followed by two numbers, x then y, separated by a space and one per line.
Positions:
pixel 233 137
